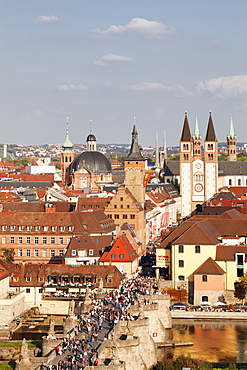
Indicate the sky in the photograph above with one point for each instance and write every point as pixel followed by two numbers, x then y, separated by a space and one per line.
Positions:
pixel 112 60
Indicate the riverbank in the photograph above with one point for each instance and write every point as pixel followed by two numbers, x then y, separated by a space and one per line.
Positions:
pixel 202 315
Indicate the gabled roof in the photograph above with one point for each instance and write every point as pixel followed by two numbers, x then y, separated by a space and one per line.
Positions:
pixel 4 271
pixel 232 213
pixel 186 134
pixel 209 267
pixel 97 243
pixel 202 233
pixel 210 134
pixel 122 246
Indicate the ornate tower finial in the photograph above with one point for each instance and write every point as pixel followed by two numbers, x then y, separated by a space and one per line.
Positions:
pixel 91 127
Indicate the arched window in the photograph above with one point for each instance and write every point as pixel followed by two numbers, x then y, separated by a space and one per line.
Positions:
pixel 204 298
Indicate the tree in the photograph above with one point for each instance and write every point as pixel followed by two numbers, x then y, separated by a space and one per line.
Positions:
pixel 8 255
pixel 240 291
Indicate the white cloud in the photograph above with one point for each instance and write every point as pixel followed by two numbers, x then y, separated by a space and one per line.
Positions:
pixel 72 87
pixel 140 25
pixel 150 86
pixel 117 58
pixel 178 90
pixel 99 63
pixel 47 18
pixel 224 87
pixel 30 116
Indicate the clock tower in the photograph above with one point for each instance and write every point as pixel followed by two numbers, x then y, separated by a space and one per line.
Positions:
pixel 134 168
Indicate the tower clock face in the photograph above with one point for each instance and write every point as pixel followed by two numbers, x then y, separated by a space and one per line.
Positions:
pixel 198 165
pixel 198 187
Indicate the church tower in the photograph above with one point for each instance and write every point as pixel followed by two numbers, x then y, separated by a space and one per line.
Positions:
pixel 231 143
pixel 198 192
pixel 134 168
pixel 67 157
pixel 91 140
pixel 186 158
pixel 211 160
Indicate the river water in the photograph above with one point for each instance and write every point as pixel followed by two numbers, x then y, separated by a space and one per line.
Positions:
pixel 213 341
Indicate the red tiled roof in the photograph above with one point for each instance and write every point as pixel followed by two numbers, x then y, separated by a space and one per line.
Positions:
pixel 227 252
pixel 209 267
pixel 202 233
pixel 35 271
pixel 121 247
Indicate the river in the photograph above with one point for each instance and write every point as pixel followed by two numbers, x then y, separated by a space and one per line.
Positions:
pixel 213 341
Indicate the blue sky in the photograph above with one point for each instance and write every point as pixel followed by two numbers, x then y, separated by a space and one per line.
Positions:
pixel 110 60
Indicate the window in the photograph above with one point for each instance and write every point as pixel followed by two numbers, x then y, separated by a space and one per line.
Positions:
pixel 3 239
pixel 37 228
pixel 197 249
pixel 205 278
pixel 113 256
pixel 19 253
pixel 230 182
pixel 36 253
pixel 12 240
pixel 46 228
pixel 90 252
pixel 181 277
pixel 20 240
pixel 60 240
pixel 53 253
pixel 204 298
pixel 40 290
pixel 125 217
pixel 29 228
pixel 28 252
pixel 20 228
pixel 44 240
pixel 240 264
pixel 121 199
pixel 60 252
pixel 44 253
pixel 180 249
pixel 36 240
pixel 68 240
pixel 28 278
pixel 239 182
pixel 128 205
pixel 115 206
pixel 28 240
pixel 41 278
pixel 121 256
pixel 4 228
pixel 132 217
pixel 62 228
pixel 181 263
pixel 73 252
pixel 53 228
pixel 28 290
pixel 116 217
pixel 12 228
pixel 52 240
pixel 70 228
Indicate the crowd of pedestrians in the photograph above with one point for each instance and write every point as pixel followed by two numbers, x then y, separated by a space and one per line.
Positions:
pixel 93 327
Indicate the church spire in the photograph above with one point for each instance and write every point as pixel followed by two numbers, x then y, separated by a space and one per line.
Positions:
pixel 231 143
pixel 231 134
pixel 67 144
pixel 210 135
pixel 186 135
pixel 196 129
pixel 135 150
